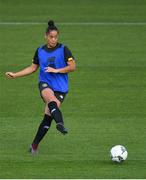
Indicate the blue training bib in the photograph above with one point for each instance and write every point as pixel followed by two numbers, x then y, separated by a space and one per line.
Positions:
pixel 55 59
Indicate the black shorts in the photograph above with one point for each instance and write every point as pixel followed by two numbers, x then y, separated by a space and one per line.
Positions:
pixel 59 95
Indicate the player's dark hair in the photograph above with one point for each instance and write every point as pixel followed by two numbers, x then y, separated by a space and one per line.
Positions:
pixel 51 27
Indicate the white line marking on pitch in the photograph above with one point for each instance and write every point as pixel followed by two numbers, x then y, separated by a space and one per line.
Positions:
pixel 79 23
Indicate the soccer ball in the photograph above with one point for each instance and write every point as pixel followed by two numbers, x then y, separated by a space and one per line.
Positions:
pixel 118 153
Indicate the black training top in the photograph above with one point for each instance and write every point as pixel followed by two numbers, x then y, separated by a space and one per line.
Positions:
pixel 67 53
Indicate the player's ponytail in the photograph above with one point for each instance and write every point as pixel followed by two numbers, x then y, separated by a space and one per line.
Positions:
pixel 51 23
pixel 51 26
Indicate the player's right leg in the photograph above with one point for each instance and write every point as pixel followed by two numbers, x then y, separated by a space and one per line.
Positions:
pixel 42 130
pixel 51 103
pixel 44 125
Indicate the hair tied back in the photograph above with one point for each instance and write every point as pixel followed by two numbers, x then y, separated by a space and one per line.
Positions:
pixel 51 23
pixel 51 26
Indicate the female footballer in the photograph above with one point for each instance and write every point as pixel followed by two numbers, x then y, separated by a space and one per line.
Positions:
pixel 54 61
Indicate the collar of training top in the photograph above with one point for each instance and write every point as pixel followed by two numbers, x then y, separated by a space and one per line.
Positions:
pixel 51 49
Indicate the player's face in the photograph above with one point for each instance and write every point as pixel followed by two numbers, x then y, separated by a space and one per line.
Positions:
pixel 52 38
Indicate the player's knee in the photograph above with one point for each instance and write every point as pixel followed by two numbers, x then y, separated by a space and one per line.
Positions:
pixel 53 106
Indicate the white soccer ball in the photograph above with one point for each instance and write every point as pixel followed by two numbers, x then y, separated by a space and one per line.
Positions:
pixel 118 153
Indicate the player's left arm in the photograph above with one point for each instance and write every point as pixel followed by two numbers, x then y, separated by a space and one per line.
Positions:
pixel 71 66
pixel 70 63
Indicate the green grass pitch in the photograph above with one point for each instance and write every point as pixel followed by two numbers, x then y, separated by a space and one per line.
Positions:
pixel 106 104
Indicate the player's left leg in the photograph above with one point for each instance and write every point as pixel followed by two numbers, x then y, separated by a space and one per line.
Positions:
pixel 57 114
pixel 49 97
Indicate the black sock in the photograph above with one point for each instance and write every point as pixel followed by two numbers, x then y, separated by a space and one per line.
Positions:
pixel 55 112
pixel 43 128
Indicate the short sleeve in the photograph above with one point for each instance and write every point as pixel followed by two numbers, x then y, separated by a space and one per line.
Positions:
pixel 36 58
pixel 68 54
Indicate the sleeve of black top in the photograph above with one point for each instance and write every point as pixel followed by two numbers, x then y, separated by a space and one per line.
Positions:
pixel 36 58
pixel 67 54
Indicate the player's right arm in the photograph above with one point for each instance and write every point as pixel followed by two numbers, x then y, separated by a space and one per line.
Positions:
pixel 29 70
